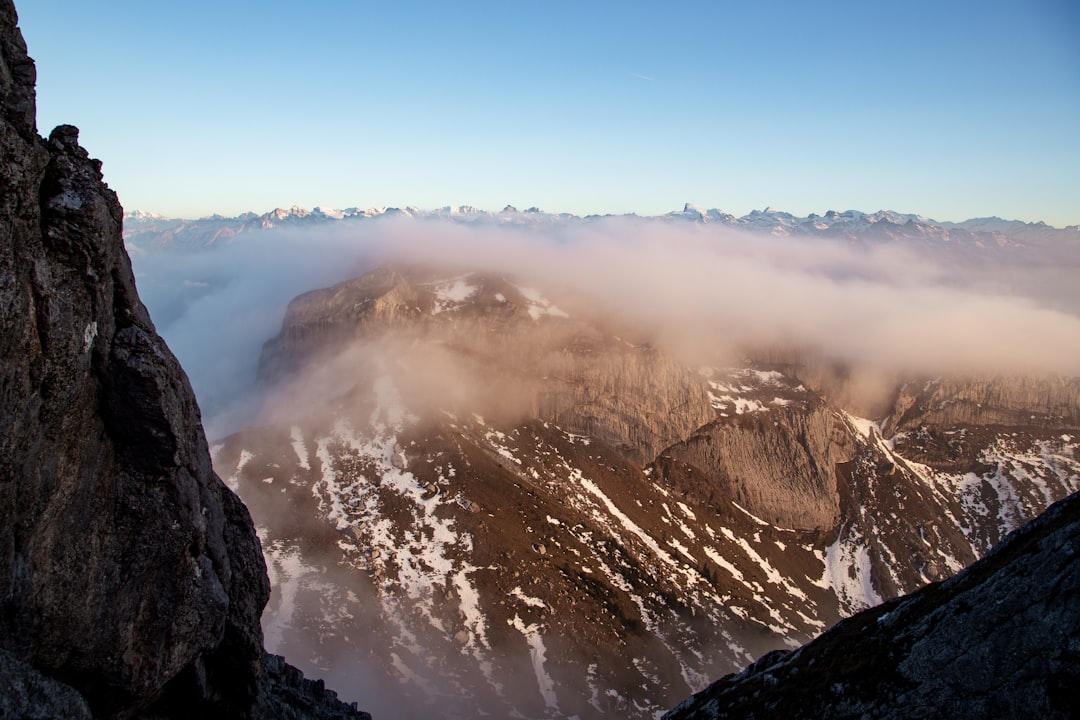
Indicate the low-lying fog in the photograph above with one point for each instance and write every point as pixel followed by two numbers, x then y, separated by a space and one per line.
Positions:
pixel 703 291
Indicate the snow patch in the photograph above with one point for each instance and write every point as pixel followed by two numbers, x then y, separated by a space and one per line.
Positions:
pixel 297 437
pixel 452 293
pixel 539 306
pixel 538 656
pixel 89 334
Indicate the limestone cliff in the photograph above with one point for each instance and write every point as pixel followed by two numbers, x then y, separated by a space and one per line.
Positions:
pixel 509 350
pixel 128 571
pixel 1040 401
pixel 781 466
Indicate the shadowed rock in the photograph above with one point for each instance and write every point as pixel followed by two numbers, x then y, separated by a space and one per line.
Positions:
pixel 127 570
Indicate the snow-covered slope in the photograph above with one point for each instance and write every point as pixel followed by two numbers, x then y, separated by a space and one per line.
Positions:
pixel 481 502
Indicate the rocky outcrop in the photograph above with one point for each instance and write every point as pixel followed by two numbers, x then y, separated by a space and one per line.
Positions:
pixel 1017 401
pixel 999 639
pixel 27 694
pixel 906 402
pixel 520 355
pixel 323 321
pixel 128 571
pixel 781 466
pixel 635 398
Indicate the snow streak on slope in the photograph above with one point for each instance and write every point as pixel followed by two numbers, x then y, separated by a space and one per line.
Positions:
pixel 1017 476
pixel 619 590
pixel 530 571
pixel 847 572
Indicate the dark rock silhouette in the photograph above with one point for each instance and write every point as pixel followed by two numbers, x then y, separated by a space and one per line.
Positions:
pixel 128 572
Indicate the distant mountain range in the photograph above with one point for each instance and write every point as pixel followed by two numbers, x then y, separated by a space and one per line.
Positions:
pixel 848 225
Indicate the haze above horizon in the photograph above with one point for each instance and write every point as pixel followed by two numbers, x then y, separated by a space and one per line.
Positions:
pixel 949 111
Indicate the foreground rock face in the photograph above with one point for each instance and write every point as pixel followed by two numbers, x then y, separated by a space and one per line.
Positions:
pixel 128 571
pixel 999 639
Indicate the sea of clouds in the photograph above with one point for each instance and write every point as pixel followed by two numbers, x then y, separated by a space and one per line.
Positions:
pixel 706 292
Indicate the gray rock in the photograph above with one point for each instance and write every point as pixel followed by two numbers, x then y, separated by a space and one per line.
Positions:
pixel 1041 401
pixel 781 465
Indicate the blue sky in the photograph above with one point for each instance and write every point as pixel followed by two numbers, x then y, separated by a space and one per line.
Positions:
pixel 947 109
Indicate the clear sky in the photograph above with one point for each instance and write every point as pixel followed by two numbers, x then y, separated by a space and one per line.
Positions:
pixel 950 109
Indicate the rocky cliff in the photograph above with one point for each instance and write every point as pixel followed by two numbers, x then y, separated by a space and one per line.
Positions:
pixel 536 516
pixel 1041 402
pixel 780 466
pixel 532 358
pixel 999 639
pixel 129 574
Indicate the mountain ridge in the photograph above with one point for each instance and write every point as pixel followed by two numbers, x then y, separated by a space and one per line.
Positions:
pixel 886 223
pixel 998 639
pixel 551 519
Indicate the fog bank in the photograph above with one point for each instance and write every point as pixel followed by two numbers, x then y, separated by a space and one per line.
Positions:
pixel 707 292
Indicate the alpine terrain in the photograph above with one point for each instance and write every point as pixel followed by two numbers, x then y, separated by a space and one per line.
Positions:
pixel 480 493
pixel 484 500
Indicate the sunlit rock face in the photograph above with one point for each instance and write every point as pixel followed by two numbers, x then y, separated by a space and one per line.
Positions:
pixel 504 346
pixel 529 510
pixel 131 580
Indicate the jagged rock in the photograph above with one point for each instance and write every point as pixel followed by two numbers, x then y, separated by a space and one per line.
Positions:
pixel 324 320
pixel 288 695
pixel 999 639
pixel 128 571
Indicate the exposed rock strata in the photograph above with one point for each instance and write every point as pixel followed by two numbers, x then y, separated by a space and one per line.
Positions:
pixel 127 570
pixel 999 639
pixel 1048 401
pixel 780 466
